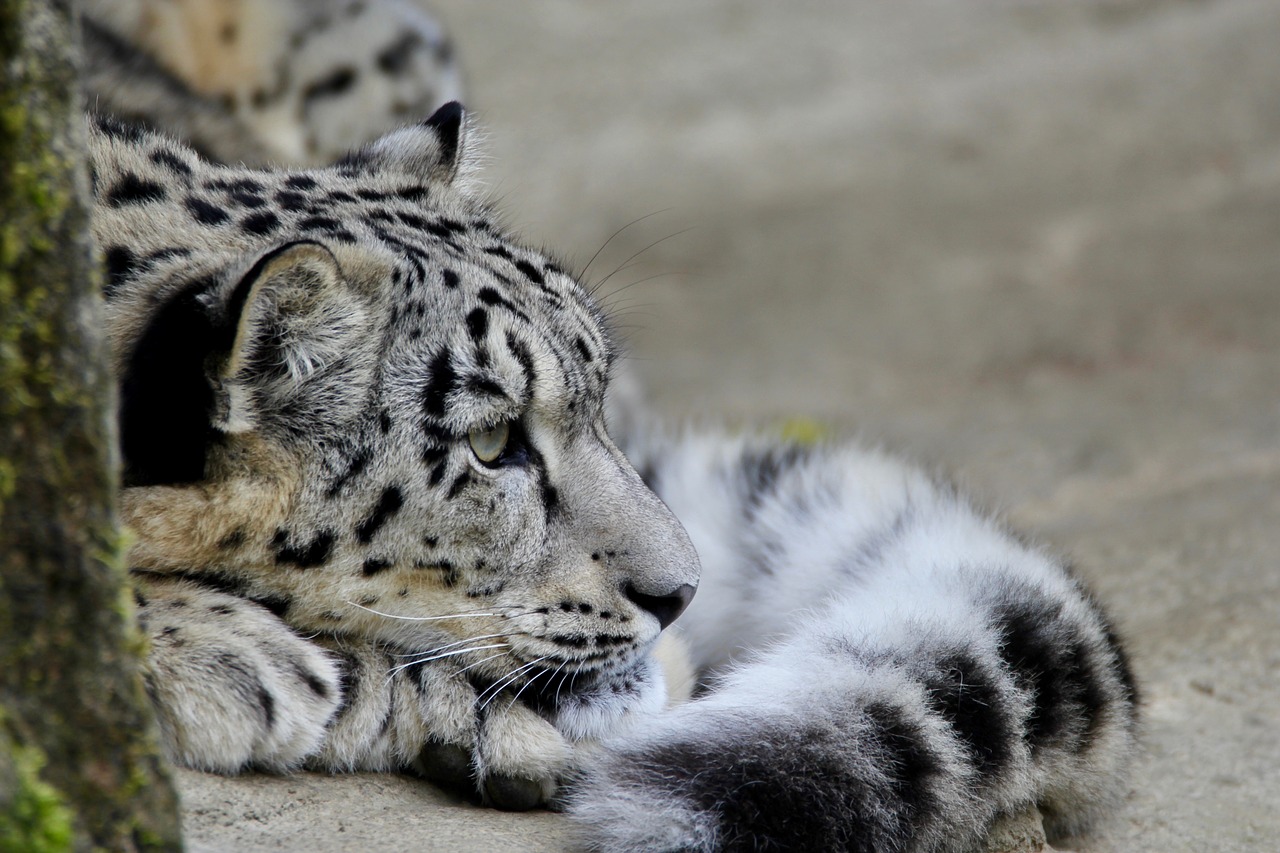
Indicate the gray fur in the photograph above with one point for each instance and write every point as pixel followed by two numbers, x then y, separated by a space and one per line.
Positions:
pixel 345 365
pixel 889 668
pixel 259 81
pixel 331 577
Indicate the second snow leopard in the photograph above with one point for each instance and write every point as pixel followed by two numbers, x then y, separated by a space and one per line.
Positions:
pixel 380 524
pixel 259 81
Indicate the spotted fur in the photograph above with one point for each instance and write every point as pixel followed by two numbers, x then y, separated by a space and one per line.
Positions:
pixel 333 574
pixel 259 81
pixel 885 667
pixel 302 356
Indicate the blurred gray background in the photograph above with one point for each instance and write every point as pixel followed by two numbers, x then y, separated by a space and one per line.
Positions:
pixel 1035 244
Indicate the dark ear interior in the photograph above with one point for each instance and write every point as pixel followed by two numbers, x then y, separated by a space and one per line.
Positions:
pixel 167 398
pixel 447 124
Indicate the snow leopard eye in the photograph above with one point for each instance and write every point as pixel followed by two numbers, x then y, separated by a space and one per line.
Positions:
pixel 488 444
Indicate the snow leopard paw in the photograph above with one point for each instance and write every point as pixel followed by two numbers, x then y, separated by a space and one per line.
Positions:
pixel 480 740
pixel 233 687
pixel 529 744
pixel 516 762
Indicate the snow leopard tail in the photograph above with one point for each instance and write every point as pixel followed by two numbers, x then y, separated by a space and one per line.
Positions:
pixel 890 669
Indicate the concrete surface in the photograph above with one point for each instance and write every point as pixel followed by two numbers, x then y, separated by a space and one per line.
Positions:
pixel 1033 242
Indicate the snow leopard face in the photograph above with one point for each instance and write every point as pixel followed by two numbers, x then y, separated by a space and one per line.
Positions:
pixel 345 395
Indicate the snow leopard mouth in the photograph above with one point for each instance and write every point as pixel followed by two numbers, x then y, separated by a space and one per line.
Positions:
pixel 558 694
pixel 549 686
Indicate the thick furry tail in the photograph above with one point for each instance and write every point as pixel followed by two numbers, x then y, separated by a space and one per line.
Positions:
pixel 922 671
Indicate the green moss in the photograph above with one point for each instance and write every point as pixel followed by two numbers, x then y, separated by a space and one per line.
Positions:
pixel 95 780
pixel 146 840
pixel 36 820
pixel 13 118
pixel 110 544
pixel 804 431
pixel 10 251
pixel 38 196
pixel 8 481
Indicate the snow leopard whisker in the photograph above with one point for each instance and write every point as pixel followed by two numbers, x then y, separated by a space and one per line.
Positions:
pixel 628 262
pixel 482 660
pixel 516 698
pixel 554 673
pixel 607 300
pixel 453 653
pixel 640 311
pixel 563 679
pixel 605 244
pixel 507 681
pixel 463 642
pixel 499 685
pixel 423 618
pixel 497 682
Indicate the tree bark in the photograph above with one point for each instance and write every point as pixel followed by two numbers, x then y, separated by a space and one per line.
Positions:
pixel 79 765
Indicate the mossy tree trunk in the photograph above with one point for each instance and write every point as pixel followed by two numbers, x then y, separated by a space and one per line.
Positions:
pixel 79 767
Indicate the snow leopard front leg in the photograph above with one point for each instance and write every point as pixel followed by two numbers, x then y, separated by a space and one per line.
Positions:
pixel 508 743
pixel 235 688
pixel 405 710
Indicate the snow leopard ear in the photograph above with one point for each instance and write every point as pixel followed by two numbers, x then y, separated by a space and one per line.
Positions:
pixel 294 360
pixel 267 350
pixel 435 150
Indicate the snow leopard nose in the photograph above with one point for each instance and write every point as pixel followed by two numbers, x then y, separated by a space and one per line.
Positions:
pixel 665 608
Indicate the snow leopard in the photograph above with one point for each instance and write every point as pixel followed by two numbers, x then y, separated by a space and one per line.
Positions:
pixel 381 522
pixel 288 81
